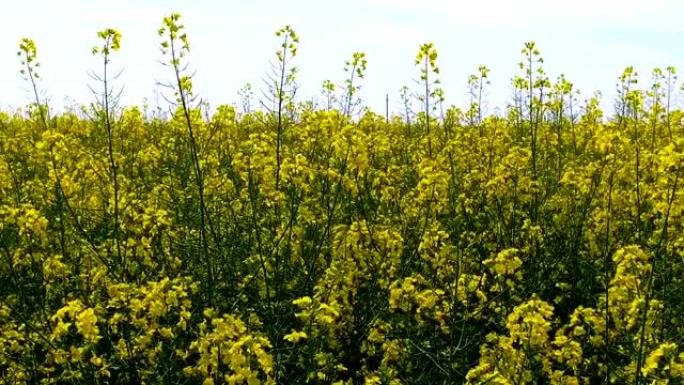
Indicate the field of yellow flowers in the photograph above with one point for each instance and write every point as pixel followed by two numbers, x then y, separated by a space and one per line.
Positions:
pixel 299 245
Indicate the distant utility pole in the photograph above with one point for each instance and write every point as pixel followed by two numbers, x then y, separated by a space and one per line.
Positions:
pixel 387 108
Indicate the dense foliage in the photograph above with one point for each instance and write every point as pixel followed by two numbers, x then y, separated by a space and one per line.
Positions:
pixel 299 244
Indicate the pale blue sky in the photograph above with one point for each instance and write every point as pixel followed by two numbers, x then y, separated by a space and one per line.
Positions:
pixel 590 41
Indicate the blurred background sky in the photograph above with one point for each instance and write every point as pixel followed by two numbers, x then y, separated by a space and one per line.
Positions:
pixel 232 42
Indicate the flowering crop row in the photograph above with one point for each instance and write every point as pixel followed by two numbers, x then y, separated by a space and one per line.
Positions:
pixel 297 245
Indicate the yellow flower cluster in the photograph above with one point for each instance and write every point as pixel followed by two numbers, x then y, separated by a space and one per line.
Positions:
pixel 226 351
